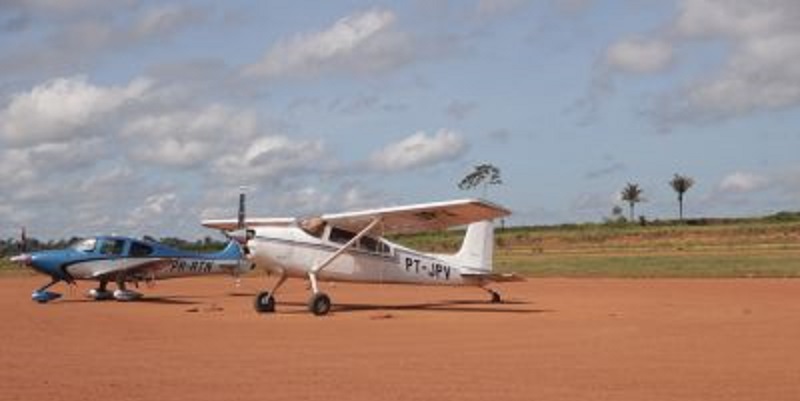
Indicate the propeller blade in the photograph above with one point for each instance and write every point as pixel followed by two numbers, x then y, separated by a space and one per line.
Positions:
pixel 23 241
pixel 242 234
pixel 241 222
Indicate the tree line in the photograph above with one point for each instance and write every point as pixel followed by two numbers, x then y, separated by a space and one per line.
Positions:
pixel 632 193
pixel 484 175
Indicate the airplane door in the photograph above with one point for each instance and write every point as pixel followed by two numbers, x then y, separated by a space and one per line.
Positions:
pixel 283 249
pixel 113 249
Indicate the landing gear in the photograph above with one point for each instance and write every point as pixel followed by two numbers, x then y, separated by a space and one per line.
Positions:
pixel 101 293
pixel 126 295
pixel 122 294
pixel 264 302
pixel 496 298
pixel 43 296
pixel 319 304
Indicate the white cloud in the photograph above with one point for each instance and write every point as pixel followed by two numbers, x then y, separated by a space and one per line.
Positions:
pixel 639 55
pixel 712 18
pixel 165 20
pixel 73 35
pixel 272 158
pixel 762 71
pixel 740 182
pixel 189 137
pixel 153 209
pixel 758 70
pixel 63 108
pixel 419 150
pixel 309 200
pixel 360 42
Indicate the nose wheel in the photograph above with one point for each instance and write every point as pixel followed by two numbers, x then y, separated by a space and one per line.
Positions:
pixel 43 296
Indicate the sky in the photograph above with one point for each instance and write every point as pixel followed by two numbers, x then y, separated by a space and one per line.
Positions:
pixel 137 117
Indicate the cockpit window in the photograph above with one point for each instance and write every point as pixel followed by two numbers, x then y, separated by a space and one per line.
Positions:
pixel 85 245
pixel 341 236
pixel 112 247
pixel 373 245
pixel 140 249
pixel 368 244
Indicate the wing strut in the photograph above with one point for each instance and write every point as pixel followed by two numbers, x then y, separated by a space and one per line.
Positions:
pixel 312 274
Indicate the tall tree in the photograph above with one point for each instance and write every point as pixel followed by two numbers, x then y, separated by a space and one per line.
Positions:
pixel 632 194
pixel 681 184
pixel 486 174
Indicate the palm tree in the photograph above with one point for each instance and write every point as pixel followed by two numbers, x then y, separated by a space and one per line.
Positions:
pixel 681 184
pixel 485 174
pixel 633 195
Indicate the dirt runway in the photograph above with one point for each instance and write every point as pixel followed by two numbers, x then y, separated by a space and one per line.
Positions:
pixel 556 339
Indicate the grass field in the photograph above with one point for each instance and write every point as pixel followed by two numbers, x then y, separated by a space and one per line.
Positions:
pixel 760 247
pixel 742 248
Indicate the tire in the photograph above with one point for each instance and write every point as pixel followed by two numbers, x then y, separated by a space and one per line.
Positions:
pixel 319 304
pixel 496 299
pixel 264 302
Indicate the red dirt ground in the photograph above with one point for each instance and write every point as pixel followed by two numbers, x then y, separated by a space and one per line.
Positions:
pixel 557 339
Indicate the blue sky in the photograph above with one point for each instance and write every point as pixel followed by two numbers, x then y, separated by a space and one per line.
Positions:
pixel 141 117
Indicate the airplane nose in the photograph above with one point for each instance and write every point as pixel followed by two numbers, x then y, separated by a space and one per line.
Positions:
pixel 24 259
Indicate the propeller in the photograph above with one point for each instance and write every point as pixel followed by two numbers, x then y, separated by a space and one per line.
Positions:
pixel 242 234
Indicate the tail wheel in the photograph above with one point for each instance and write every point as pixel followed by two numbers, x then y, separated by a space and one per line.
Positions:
pixel 264 302
pixel 319 304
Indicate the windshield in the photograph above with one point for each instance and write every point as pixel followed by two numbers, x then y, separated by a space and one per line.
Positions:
pixel 85 245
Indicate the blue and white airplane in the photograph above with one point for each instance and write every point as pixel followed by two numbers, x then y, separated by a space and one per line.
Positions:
pixel 124 260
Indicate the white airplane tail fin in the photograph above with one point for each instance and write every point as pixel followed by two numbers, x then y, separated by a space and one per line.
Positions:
pixel 477 250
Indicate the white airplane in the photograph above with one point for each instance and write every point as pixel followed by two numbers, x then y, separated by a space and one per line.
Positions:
pixel 350 247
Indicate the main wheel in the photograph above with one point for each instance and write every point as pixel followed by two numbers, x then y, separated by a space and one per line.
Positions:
pixel 264 302
pixel 319 304
pixel 496 299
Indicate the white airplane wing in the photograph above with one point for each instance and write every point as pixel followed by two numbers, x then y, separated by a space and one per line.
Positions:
pixel 230 224
pixel 419 217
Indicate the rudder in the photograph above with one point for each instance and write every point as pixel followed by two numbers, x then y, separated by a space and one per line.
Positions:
pixel 477 250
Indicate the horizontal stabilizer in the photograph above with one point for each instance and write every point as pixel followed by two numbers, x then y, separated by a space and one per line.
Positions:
pixel 495 277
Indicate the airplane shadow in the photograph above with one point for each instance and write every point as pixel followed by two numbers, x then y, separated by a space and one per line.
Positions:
pixel 172 300
pixel 468 306
pixel 167 301
pixel 242 294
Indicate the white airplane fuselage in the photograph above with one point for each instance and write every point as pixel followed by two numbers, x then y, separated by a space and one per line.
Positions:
pixel 292 251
